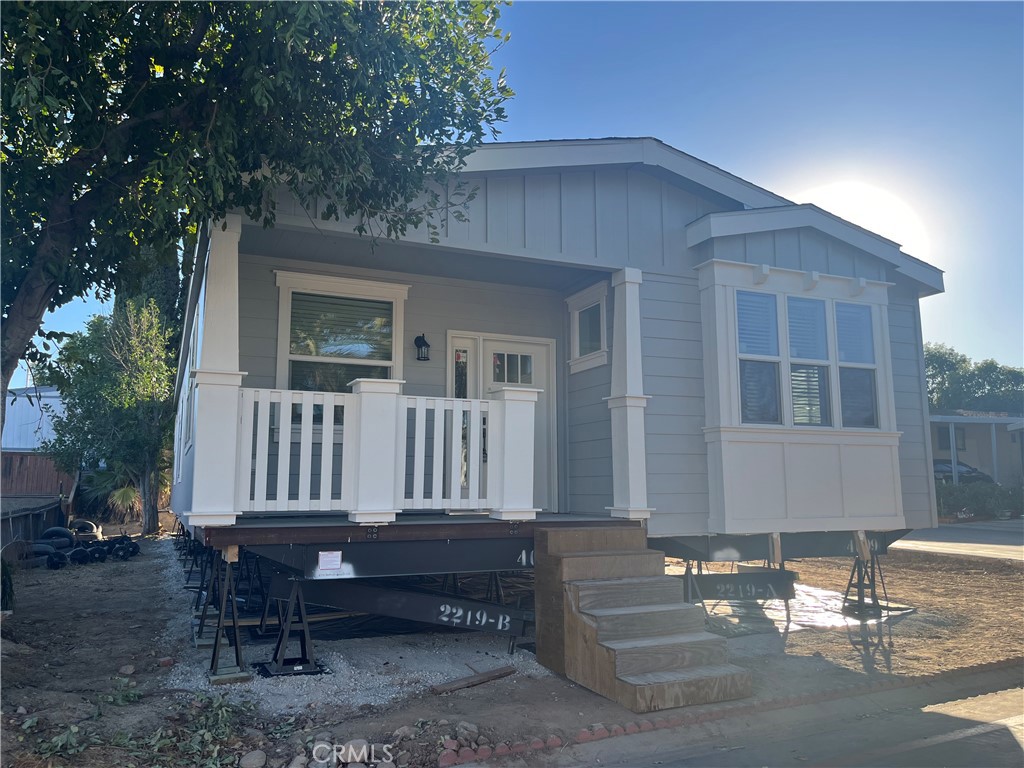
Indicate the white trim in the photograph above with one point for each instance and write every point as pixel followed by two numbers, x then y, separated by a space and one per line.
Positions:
pixel 594 295
pixel 342 287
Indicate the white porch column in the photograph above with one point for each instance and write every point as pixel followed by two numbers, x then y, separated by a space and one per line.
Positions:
pixel 372 464
pixel 217 382
pixel 954 458
pixel 512 422
pixel 627 402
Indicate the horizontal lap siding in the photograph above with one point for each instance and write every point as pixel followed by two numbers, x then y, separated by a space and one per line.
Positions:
pixel 590 439
pixel 677 467
pixel 911 408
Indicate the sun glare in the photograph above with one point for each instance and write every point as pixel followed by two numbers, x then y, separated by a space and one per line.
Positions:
pixel 873 209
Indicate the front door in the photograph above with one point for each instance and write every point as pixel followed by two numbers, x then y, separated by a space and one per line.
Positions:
pixel 479 364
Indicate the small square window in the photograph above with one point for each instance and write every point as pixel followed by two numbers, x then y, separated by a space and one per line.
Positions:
pixel 588 344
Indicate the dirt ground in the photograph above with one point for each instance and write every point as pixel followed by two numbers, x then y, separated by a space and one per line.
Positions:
pixel 82 681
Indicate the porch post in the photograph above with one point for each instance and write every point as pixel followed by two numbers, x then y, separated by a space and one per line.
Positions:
pixel 218 381
pixel 954 459
pixel 511 426
pixel 627 402
pixel 373 450
pixel 995 454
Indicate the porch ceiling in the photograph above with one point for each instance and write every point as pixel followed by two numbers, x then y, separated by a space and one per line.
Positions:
pixel 340 249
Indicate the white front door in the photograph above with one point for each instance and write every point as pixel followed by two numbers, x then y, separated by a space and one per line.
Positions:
pixel 479 364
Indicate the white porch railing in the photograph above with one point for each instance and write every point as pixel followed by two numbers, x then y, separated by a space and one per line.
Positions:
pixel 375 452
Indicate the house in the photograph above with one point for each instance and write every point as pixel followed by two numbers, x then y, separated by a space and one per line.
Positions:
pixel 988 442
pixel 620 336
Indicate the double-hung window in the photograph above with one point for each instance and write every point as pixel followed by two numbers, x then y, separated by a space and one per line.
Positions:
pixel 795 352
pixel 334 330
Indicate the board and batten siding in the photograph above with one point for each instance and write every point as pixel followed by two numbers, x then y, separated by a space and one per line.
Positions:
pixel 803 249
pixel 915 452
pixel 608 217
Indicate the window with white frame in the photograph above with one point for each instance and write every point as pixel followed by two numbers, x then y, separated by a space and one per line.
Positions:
pixel 333 330
pixel 795 352
pixel 588 328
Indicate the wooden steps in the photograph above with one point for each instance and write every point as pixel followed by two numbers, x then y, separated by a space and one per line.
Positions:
pixel 609 619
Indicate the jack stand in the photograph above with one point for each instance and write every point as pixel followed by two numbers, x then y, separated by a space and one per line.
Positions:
pixel 288 622
pixel 226 673
pixel 865 577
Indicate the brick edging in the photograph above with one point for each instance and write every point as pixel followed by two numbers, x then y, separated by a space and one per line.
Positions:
pixel 600 731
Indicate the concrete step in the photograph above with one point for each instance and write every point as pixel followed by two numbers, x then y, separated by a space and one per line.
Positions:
pixel 620 593
pixel 636 621
pixel 608 564
pixel 667 653
pixel 653 691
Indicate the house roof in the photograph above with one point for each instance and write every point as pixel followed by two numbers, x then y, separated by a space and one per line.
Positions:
pixel 638 151
pixel 765 210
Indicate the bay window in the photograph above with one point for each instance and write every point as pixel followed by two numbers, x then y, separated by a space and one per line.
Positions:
pixel 795 351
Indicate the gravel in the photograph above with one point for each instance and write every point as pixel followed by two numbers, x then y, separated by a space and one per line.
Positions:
pixel 373 671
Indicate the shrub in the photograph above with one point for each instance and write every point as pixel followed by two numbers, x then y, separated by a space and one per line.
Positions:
pixel 979 500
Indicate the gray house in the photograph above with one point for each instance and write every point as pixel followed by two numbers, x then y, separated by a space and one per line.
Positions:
pixel 618 338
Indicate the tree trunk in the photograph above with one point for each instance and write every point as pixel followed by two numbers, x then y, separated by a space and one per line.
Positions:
pixel 33 296
pixel 149 491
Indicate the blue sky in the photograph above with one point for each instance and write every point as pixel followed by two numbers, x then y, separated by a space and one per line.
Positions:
pixel 906 118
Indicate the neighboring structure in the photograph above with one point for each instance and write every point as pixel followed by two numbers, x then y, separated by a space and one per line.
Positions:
pixel 989 442
pixel 620 335
pixel 31 485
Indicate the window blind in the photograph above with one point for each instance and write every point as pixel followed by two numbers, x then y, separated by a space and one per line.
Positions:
pixel 811 403
pixel 757 323
pixel 853 331
pixel 807 335
pixel 334 326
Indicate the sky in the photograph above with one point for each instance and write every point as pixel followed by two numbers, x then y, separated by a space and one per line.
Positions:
pixel 904 118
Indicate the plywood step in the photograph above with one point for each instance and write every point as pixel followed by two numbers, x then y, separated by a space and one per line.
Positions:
pixel 609 564
pixel 653 691
pixel 667 653
pixel 635 621
pixel 623 592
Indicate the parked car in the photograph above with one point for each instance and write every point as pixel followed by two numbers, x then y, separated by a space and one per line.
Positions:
pixel 943 469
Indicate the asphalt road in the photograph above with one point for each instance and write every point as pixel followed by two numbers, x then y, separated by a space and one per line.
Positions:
pixel 960 721
pixel 1002 539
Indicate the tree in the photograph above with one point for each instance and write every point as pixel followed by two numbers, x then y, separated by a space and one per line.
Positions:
pixel 116 381
pixel 957 383
pixel 123 124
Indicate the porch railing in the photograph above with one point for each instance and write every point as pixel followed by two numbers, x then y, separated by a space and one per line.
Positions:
pixel 375 452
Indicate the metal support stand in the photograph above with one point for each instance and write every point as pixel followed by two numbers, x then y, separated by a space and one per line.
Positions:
pixel 290 623
pixel 228 610
pixel 865 577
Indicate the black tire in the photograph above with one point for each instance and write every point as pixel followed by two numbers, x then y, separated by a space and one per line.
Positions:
pixel 98 554
pixel 83 526
pixel 80 556
pixel 39 549
pixel 121 552
pixel 59 533
pixel 133 549
pixel 56 561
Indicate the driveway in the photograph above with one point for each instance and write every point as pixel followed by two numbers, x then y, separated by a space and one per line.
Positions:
pixel 1002 539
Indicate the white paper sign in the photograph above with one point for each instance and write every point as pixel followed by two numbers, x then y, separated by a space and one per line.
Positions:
pixel 329 561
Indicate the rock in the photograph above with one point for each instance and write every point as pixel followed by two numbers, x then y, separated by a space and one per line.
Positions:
pixel 323 736
pixel 443 722
pixel 403 733
pixel 451 744
pixel 127 669
pixel 467 731
pixel 254 734
pixel 166 661
pixel 21 711
pixel 386 764
pixel 447 758
pixel 482 740
pixel 403 759
pixel 464 742
pixel 299 761
pixel 255 759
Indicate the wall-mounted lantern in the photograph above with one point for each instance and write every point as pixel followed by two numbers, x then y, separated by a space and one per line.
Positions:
pixel 422 347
